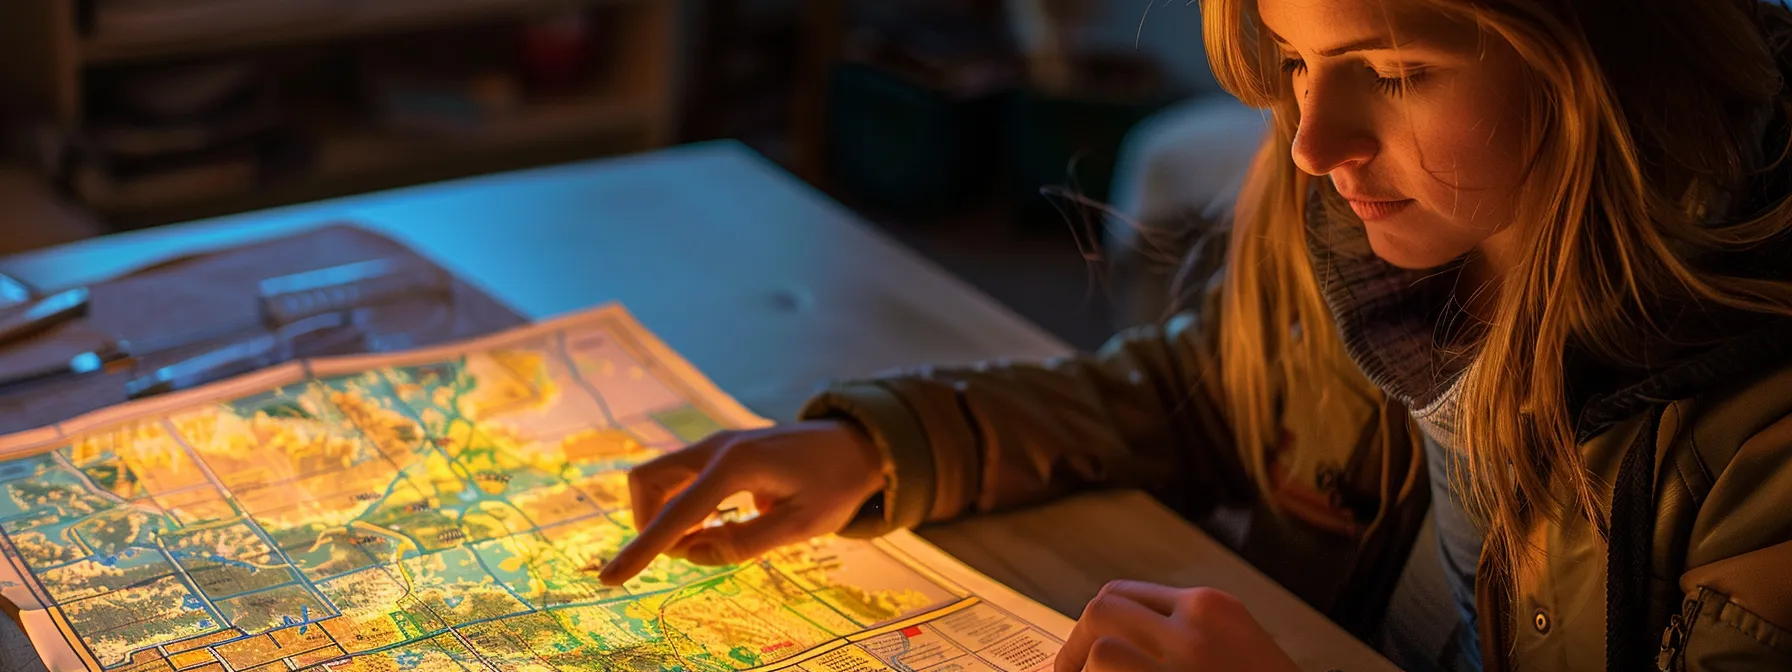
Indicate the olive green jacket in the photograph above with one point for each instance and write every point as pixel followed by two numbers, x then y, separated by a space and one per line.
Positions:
pixel 1143 413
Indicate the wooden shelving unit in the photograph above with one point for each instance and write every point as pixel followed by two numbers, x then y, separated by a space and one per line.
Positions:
pixel 342 18
pixel 46 63
pixel 357 161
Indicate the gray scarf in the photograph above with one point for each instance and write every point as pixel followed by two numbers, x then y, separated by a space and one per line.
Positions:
pixel 1397 325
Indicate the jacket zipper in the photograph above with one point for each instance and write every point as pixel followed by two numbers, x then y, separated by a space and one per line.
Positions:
pixel 1674 637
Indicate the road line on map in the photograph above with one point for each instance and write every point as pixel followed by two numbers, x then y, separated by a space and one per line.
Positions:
pixel 774 568
pixel 572 367
pixel 248 520
pixel 494 576
pixel 62 460
pixel 853 639
pixel 211 608
pixel 430 634
pixel 76 644
pixel 800 615
pixel 468 643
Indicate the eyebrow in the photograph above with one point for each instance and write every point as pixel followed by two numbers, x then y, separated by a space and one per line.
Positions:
pixel 1371 43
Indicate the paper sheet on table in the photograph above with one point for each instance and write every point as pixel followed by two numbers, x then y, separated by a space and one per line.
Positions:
pixel 434 510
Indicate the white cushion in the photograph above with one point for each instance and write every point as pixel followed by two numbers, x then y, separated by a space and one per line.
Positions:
pixel 1189 158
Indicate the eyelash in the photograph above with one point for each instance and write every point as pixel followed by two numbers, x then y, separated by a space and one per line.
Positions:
pixel 1393 86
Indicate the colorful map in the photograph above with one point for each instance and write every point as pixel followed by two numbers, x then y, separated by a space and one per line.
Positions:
pixel 438 510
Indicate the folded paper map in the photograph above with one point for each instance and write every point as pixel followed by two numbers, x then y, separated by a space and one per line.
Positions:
pixel 436 510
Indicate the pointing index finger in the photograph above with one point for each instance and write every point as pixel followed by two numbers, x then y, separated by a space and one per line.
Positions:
pixel 684 511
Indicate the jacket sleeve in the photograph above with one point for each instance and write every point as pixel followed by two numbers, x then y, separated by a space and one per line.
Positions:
pixel 1141 412
pixel 1737 611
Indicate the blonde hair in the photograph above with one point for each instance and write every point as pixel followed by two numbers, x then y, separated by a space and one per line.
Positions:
pixel 1635 128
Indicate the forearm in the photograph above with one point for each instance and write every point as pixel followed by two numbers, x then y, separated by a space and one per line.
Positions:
pixel 1139 413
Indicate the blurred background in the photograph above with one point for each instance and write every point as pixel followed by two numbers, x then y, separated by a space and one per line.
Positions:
pixel 1057 154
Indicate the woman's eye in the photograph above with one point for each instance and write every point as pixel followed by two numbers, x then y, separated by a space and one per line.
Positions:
pixel 1392 85
pixel 1397 84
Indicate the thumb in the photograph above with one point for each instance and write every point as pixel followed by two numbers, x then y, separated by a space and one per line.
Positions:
pixel 734 543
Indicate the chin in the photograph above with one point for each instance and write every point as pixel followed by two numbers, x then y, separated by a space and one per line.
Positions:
pixel 1405 253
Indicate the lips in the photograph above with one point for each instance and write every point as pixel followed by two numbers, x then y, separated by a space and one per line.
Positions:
pixel 1370 211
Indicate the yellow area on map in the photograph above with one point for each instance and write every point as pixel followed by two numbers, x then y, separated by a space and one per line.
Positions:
pixel 435 511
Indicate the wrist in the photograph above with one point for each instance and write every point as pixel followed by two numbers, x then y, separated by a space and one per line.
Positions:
pixel 875 467
pixel 864 469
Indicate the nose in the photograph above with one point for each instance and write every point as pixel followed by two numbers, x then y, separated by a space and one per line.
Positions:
pixel 1333 132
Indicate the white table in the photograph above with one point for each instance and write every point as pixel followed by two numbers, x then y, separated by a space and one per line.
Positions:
pixel 719 252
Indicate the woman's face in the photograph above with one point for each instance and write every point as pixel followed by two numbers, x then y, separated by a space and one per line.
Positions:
pixel 1417 120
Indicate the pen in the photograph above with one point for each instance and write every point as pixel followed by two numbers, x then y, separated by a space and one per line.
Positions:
pixel 13 292
pixel 97 359
pixel 237 357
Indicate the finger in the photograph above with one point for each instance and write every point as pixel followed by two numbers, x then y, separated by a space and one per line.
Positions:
pixel 652 482
pixel 1211 607
pixel 734 543
pixel 1110 654
pixel 1112 615
pixel 684 511
pixel 1159 598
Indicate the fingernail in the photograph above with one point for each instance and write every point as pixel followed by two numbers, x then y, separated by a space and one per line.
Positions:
pixel 606 573
pixel 704 554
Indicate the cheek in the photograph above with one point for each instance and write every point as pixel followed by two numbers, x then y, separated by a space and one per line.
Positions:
pixel 1471 165
pixel 1460 163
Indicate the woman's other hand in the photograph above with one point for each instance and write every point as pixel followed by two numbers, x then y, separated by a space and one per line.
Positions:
pixel 1139 627
pixel 807 479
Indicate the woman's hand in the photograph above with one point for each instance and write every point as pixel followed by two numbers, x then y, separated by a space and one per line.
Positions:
pixel 807 479
pixel 1138 627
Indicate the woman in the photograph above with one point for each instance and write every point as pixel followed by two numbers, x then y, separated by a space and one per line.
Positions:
pixel 1520 261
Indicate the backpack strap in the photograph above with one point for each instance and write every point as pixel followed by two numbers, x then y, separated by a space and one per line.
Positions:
pixel 1629 638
